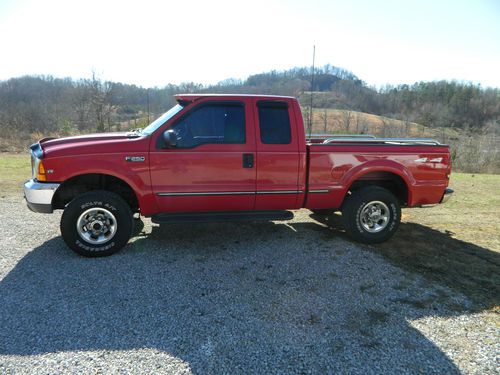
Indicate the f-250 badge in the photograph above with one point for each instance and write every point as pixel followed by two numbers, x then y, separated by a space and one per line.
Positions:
pixel 135 158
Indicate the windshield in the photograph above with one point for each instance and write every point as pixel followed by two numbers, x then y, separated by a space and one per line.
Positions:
pixel 161 120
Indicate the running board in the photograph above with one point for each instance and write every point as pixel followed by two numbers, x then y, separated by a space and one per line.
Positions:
pixel 207 217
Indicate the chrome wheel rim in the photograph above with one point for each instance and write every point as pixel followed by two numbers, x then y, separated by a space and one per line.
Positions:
pixel 96 226
pixel 374 216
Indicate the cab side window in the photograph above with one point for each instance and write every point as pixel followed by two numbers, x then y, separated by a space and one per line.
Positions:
pixel 274 122
pixel 211 123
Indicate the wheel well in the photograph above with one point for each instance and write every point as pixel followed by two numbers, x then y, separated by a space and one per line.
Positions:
pixel 390 181
pixel 81 184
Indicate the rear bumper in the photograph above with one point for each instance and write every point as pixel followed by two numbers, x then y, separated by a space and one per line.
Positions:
pixel 447 195
pixel 39 195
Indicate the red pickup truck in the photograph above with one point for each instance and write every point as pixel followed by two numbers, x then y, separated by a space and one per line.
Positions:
pixel 230 157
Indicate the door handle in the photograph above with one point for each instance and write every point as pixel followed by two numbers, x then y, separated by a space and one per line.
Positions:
pixel 247 160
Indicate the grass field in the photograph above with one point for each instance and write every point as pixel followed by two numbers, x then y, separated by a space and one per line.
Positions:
pixel 472 214
pixel 14 170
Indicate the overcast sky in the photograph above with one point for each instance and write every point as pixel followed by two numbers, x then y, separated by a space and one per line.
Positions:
pixel 152 43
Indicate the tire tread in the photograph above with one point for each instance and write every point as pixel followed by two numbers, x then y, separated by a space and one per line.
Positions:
pixel 349 212
pixel 73 209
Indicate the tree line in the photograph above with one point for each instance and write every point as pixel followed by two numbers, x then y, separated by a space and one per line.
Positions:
pixel 45 104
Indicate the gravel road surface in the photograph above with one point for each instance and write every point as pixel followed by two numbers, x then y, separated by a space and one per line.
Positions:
pixel 285 298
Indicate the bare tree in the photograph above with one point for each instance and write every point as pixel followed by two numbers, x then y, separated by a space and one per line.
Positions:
pixel 347 117
pixel 305 117
pixel 324 118
pixel 82 105
pixel 356 121
pixel 363 128
pixel 100 99
pixel 407 126
pixel 384 126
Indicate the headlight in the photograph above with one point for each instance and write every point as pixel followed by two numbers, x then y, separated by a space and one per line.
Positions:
pixel 37 167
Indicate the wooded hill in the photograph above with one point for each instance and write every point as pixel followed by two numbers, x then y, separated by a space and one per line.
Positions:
pixel 31 106
pixel 45 103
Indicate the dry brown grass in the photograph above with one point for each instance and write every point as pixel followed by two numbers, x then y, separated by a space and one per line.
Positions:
pixel 472 214
pixel 366 123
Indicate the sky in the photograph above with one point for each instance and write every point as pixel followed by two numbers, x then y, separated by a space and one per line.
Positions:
pixel 153 43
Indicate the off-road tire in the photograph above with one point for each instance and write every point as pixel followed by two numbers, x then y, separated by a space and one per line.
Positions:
pixel 100 202
pixel 355 222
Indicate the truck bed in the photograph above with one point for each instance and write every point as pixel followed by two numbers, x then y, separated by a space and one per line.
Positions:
pixel 420 166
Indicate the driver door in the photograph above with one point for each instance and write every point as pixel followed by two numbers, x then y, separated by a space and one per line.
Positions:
pixel 211 167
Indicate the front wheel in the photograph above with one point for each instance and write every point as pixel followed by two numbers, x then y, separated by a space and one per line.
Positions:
pixel 371 214
pixel 97 223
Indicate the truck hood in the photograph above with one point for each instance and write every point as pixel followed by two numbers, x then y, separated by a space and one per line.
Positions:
pixel 94 144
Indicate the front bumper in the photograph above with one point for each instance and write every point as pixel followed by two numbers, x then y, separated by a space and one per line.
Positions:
pixel 39 195
pixel 447 195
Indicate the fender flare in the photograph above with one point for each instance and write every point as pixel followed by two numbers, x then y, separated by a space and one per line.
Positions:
pixel 105 172
pixel 389 166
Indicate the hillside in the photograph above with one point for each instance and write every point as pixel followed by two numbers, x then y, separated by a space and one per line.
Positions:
pixel 466 116
pixel 336 121
pixel 325 121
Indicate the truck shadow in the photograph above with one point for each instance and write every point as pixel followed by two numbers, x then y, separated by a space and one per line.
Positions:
pixel 223 298
pixel 468 269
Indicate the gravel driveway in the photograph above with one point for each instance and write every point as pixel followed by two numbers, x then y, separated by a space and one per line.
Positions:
pixel 294 297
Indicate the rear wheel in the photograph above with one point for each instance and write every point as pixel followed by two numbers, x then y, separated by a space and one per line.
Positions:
pixel 371 214
pixel 97 223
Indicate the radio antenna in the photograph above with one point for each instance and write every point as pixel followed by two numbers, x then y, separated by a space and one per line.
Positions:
pixel 312 89
pixel 147 91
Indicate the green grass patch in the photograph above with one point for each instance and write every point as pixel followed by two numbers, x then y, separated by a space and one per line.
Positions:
pixel 14 170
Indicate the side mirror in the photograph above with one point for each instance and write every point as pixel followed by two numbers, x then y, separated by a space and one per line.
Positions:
pixel 169 139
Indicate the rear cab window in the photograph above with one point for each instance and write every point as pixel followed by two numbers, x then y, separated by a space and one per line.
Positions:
pixel 274 122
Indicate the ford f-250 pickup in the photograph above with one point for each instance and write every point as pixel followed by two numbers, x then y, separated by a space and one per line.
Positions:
pixel 230 157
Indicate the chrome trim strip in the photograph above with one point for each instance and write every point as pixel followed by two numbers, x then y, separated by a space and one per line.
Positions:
pixel 392 141
pixel 280 192
pixel 191 194
pixel 180 194
pixel 319 191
